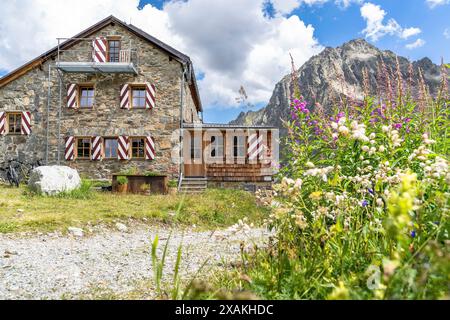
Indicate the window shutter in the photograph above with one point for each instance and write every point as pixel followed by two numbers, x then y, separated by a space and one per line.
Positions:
pixel 123 147
pixel 252 146
pixel 100 46
pixel 26 123
pixel 149 148
pixel 69 152
pixel 150 96
pixel 2 123
pixel 262 145
pixel 97 143
pixel 125 97
pixel 72 96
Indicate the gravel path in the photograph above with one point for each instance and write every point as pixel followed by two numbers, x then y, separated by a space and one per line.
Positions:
pixel 50 266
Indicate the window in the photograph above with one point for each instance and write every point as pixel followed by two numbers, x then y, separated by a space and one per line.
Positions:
pixel 137 148
pixel 84 148
pixel 239 146
pixel 86 97
pixel 217 146
pixel 111 146
pixel 196 147
pixel 114 50
pixel 14 123
pixel 138 97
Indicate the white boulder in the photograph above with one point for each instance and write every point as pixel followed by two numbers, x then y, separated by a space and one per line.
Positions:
pixel 121 227
pixel 76 232
pixel 52 180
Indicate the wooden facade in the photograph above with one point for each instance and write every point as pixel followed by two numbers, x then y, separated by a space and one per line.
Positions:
pixel 226 153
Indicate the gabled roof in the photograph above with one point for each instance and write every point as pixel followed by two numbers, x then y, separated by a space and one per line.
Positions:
pixel 175 54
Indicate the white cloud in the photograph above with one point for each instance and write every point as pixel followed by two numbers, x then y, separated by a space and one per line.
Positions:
pixel 238 46
pixel 409 32
pixel 232 45
pixel 434 3
pixel 285 6
pixel 376 28
pixel 447 33
pixel 416 44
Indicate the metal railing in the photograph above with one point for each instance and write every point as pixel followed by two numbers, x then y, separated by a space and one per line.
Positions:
pixel 127 55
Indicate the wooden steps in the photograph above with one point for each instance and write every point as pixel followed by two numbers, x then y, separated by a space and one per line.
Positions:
pixel 194 185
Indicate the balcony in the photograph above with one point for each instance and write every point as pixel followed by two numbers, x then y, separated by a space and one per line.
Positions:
pixel 91 57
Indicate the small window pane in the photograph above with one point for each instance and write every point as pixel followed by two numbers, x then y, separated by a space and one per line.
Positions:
pixel 111 146
pixel 14 123
pixel 87 97
pixel 114 51
pixel 139 98
pixel 84 148
pixel 137 148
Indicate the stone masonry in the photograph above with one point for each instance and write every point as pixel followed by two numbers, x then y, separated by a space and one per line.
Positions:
pixel 29 93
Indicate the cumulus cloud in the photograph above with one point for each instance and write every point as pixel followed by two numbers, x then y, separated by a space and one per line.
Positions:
pixel 434 3
pixel 416 44
pixel 376 28
pixel 238 45
pixel 231 45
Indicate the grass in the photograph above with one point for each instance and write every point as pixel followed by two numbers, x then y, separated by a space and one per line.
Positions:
pixel 21 211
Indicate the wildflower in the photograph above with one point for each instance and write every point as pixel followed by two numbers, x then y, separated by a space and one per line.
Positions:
pixel 334 125
pixel 372 135
pixel 364 203
pixel 398 126
pixel 317 195
pixel 309 164
pixel 385 128
pixel 344 130
pixel 342 121
pixel 365 148
pixel 380 202
pixel 413 234
pixel 300 220
pixel 335 136
pixel 381 149
pixel 340 292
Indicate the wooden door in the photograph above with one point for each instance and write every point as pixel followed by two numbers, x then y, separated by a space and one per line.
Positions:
pixel 194 165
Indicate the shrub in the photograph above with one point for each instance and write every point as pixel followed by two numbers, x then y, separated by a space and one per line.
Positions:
pixel 122 180
pixel 83 192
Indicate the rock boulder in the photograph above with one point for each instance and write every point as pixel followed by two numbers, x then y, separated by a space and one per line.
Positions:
pixel 52 180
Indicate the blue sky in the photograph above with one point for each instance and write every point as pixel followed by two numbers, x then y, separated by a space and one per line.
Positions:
pixel 333 25
pixel 244 44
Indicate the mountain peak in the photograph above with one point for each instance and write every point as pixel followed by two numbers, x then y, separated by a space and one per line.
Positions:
pixel 333 73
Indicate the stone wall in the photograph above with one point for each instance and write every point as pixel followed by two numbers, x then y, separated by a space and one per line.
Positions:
pixel 29 93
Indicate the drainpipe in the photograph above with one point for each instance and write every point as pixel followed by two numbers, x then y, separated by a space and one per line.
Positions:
pixel 48 113
pixel 59 118
pixel 180 169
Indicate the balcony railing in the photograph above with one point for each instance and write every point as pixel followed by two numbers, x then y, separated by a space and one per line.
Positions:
pixel 90 57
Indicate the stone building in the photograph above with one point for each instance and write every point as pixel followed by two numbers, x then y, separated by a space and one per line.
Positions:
pixel 111 98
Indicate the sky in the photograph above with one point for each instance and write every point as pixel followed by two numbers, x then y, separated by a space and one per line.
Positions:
pixel 235 43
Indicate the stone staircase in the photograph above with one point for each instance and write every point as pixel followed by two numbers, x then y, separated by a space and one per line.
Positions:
pixel 193 185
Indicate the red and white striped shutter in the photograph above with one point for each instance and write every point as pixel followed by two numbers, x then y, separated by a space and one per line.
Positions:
pixel 125 97
pixel 69 151
pixel 72 96
pixel 262 146
pixel 97 143
pixel 149 148
pixel 123 147
pixel 100 46
pixel 252 146
pixel 26 123
pixel 150 96
pixel 2 123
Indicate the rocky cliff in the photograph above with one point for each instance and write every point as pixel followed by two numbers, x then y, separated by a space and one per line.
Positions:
pixel 338 72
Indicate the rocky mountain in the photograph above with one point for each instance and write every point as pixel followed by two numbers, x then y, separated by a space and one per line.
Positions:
pixel 338 72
